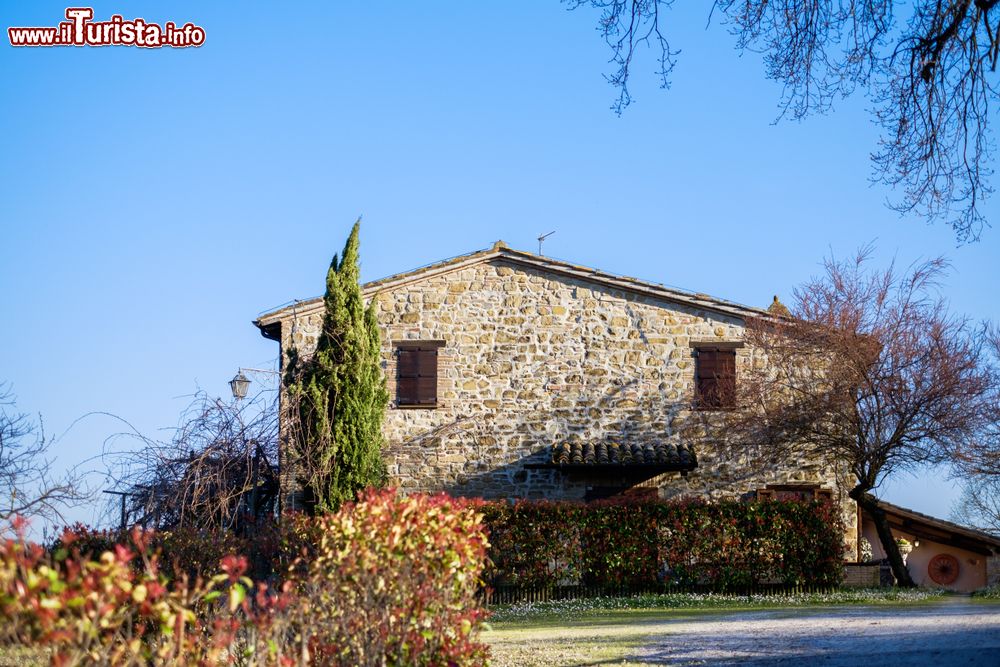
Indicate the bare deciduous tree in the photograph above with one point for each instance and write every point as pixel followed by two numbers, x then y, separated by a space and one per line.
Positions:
pixel 930 74
pixel 979 469
pixel 218 471
pixel 979 505
pixel 871 373
pixel 29 485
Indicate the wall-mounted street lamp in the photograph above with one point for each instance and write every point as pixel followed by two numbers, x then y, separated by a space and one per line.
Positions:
pixel 241 383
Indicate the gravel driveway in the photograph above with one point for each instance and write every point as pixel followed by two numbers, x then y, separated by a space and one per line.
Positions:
pixel 954 632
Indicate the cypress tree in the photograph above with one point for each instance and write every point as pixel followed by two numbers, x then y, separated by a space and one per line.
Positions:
pixel 338 395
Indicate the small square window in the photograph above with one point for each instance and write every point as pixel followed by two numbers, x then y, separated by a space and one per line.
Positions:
pixel 416 373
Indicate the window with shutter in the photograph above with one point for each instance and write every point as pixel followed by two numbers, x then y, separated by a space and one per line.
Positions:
pixel 416 374
pixel 805 492
pixel 825 495
pixel 716 378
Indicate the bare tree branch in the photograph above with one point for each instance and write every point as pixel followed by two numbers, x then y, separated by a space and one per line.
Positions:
pixel 979 505
pixel 627 25
pixel 219 470
pixel 979 466
pixel 29 486
pixel 871 373
pixel 931 77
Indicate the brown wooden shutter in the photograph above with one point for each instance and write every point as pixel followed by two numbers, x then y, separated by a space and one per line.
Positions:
pixel 427 375
pixel 707 364
pixel 416 376
pixel 799 492
pixel 795 494
pixel 406 376
pixel 716 378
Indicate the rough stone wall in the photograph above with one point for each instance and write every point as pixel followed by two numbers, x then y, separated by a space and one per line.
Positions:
pixel 529 358
pixel 861 576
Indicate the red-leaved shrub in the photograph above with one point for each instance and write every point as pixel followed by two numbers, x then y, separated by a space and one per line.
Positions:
pixel 393 579
pixel 191 551
pixel 648 543
pixel 388 580
pixel 117 609
pixel 534 543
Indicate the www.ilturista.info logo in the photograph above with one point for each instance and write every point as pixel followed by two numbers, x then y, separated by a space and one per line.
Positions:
pixel 80 30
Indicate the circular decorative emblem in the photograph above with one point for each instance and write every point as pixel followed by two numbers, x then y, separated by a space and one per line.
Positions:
pixel 943 569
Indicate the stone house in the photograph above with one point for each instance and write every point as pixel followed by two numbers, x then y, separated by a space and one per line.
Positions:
pixel 513 375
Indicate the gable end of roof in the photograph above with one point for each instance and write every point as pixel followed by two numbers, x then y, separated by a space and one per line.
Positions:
pixel 501 252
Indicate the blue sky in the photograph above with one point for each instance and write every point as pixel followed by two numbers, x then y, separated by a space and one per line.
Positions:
pixel 153 202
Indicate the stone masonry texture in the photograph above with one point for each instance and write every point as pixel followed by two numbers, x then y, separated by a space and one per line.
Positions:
pixel 532 357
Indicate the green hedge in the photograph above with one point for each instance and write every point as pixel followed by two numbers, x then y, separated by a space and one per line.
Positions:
pixel 726 545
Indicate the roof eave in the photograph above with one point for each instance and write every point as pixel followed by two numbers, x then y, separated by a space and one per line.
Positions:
pixel 622 468
pixel 940 524
pixel 270 330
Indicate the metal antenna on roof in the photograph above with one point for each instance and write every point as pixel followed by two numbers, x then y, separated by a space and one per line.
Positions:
pixel 542 238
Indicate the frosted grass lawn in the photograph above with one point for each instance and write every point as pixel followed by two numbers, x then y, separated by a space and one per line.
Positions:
pixel 987 594
pixel 540 611
pixel 603 631
pixel 18 656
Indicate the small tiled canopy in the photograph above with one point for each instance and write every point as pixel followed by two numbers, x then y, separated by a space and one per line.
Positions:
pixel 661 455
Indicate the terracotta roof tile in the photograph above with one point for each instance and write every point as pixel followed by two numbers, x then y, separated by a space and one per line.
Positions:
pixel 576 452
